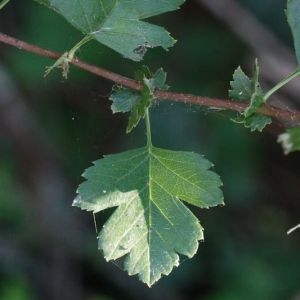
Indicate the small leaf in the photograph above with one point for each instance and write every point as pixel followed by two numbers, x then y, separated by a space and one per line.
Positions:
pixel 118 23
pixel 293 16
pixel 254 122
pixel 241 86
pixel 151 227
pixel 245 89
pixel 123 99
pixel 248 90
pixel 290 140
pixel 159 79
pixel 139 110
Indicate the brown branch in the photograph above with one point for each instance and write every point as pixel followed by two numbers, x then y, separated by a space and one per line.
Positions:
pixel 281 115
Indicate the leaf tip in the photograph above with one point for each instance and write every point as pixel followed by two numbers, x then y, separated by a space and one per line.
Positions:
pixel 77 200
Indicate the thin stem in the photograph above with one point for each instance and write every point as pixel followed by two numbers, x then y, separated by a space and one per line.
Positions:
pixel 293 229
pixel 3 3
pixel 281 83
pixel 148 127
pixel 281 115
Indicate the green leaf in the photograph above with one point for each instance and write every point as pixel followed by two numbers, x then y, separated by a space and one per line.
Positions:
pixel 117 23
pixel 254 122
pixel 241 86
pixel 151 227
pixel 248 90
pixel 290 140
pixel 123 99
pixel 139 110
pixel 245 89
pixel 159 79
pixel 293 16
pixel 150 83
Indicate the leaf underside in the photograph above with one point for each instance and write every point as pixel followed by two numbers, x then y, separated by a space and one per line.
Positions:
pixel 117 23
pixel 123 99
pixel 151 227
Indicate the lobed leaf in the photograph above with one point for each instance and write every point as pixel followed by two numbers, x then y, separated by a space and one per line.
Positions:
pixel 151 227
pixel 117 23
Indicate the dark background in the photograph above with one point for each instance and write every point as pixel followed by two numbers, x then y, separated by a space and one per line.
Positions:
pixel 51 129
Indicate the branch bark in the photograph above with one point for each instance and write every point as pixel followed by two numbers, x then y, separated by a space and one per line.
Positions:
pixel 281 115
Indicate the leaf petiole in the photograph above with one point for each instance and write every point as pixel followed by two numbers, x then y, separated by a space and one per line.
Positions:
pixel 148 127
pixel 72 52
pixel 3 3
pixel 281 83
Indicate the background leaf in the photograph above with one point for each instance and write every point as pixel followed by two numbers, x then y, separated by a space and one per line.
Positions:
pixel 117 24
pixel 290 140
pixel 150 226
pixel 293 16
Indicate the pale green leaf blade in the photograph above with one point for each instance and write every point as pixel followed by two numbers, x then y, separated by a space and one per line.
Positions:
pixel 151 227
pixel 117 23
pixel 123 100
pixel 290 140
pixel 293 16
pixel 178 173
